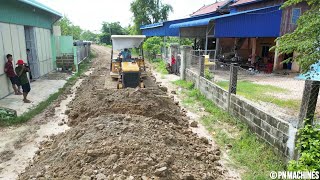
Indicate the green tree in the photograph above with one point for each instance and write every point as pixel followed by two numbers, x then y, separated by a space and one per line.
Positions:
pixel 68 29
pixel 152 47
pixel 305 40
pixel 88 35
pixel 113 28
pixel 148 12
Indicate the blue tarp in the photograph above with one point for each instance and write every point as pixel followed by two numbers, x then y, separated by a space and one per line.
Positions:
pixel 312 74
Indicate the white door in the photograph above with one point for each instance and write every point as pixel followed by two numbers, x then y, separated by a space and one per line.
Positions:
pixel 33 60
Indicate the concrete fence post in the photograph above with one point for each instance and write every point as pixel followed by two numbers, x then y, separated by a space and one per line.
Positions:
pixel 201 66
pixel 308 106
pixel 309 102
pixel 75 58
pixel 232 83
pixel 201 70
pixel 185 52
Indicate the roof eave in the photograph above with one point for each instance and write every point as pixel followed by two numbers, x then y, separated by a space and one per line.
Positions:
pixel 42 7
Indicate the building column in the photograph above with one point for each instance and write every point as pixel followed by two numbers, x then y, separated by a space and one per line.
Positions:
pixel 254 48
pixel 276 58
pixel 206 45
pixel 217 48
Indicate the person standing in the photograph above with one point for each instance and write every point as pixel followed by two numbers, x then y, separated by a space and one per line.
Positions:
pixel 173 64
pixel 28 60
pixel 23 78
pixel 8 69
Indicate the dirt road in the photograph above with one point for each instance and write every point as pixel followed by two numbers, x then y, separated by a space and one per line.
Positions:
pixel 121 134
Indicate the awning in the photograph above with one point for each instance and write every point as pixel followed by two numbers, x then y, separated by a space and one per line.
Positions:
pixel 262 22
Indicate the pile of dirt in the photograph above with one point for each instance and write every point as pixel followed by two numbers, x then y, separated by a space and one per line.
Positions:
pixel 126 147
pixel 124 134
pixel 146 102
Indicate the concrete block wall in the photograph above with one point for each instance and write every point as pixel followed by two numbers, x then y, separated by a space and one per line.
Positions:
pixel 278 133
pixel 65 61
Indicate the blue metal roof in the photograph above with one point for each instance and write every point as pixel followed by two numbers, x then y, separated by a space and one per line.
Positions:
pixel 148 26
pixel 41 6
pixel 200 22
pixel 263 22
pixel 162 29
pixel 205 21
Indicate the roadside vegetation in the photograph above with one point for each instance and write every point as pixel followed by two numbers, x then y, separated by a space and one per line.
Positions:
pixel 244 148
pixel 44 104
pixel 258 92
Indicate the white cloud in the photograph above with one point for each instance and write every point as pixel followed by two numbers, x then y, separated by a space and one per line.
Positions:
pixel 89 14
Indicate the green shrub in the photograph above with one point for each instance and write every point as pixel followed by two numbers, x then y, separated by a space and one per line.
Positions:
pixel 308 145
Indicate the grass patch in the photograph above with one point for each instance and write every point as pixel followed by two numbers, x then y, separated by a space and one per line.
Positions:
pixel 247 150
pixel 160 66
pixel 44 104
pixel 257 92
pixel 184 84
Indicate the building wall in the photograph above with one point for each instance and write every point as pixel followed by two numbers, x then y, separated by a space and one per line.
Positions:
pixel 20 13
pixel 44 50
pixel 286 25
pixel 12 41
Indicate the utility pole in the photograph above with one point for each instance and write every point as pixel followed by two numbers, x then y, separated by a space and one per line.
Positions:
pixel 110 33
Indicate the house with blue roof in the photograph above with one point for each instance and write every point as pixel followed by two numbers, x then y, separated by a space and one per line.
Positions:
pixel 248 28
pixel 26 24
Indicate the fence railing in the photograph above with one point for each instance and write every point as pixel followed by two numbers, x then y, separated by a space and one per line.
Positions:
pixel 82 53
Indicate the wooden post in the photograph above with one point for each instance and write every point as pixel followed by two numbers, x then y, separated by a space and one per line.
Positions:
pixel 232 83
pixel 309 102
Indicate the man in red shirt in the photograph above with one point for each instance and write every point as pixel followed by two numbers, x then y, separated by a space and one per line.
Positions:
pixel 173 65
pixel 8 69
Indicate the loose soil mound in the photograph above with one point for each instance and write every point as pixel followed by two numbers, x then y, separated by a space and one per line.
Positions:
pixel 147 102
pixel 124 134
pixel 126 147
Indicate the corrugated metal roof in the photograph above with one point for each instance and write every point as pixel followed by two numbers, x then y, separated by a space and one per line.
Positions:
pixel 209 8
pixel 262 22
pixel 162 29
pixel 244 2
pixel 41 6
pixel 148 26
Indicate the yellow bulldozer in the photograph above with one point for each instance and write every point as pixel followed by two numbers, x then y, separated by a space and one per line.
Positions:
pixel 125 67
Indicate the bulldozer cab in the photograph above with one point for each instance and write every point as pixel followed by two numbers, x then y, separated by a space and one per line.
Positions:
pixel 127 60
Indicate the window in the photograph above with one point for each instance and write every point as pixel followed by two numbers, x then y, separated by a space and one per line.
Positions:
pixel 296 12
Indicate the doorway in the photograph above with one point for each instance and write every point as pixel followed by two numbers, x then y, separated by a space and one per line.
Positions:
pixel 32 58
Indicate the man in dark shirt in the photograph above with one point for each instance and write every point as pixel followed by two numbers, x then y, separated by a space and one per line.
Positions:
pixel 23 78
pixel 8 69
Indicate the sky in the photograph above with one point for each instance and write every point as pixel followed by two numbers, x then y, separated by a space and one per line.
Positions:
pixel 89 14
